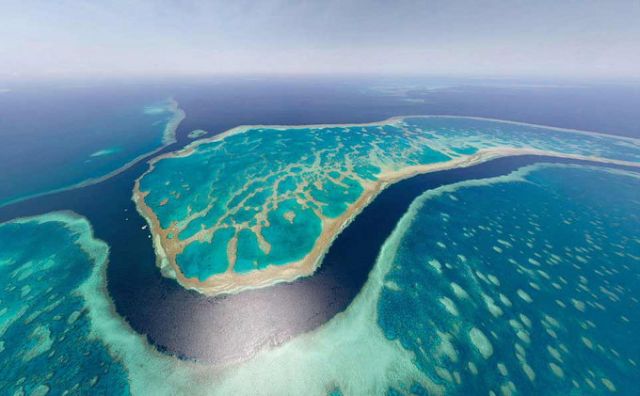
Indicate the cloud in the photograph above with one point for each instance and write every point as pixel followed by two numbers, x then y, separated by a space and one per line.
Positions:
pixel 589 38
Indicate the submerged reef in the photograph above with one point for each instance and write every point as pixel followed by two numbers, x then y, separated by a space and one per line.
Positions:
pixel 525 283
pixel 260 205
pixel 60 333
pixel 196 134
pixel 527 306
pixel 522 284
pixel 46 341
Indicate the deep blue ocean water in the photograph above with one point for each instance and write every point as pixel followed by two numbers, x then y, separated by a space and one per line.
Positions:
pixel 56 136
pixel 188 324
pixel 50 129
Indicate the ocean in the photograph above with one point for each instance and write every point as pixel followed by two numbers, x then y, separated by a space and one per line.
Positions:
pixel 234 328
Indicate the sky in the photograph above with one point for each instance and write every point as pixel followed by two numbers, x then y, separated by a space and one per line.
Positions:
pixel 41 38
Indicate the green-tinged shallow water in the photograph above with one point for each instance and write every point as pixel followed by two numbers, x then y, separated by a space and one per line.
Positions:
pixel 523 284
pixel 270 188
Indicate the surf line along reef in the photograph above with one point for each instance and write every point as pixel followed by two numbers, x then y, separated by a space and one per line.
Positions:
pixel 258 205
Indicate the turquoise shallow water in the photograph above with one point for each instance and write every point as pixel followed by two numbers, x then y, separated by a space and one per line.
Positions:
pixel 522 284
pixel 338 365
pixel 269 188
pixel 467 135
pixel 262 196
pixel 46 342
pixel 525 283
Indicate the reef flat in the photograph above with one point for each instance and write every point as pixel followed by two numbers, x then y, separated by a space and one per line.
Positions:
pixel 261 204
pixel 46 341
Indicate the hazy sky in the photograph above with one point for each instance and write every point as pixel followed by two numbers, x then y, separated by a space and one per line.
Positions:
pixel 556 37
